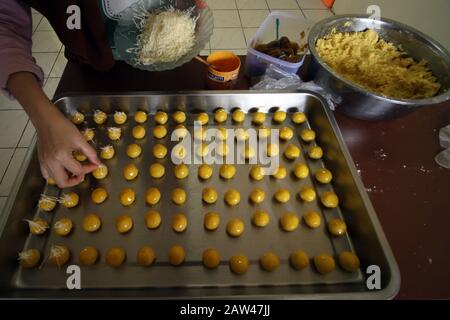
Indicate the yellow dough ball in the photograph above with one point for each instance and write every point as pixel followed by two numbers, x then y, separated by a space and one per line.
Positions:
pixel 115 257
pixel 127 197
pixel 257 173
pixel 91 222
pixel 232 197
pixel 299 260
pixel 235 227
pixel 260 218
pixel 77 118
pixel 107 152
pixel 157 170
pixel 88 256
pixel 205 171
pixel 324 263
pixel 99 195
pixel 286 133
pixel 227 171
pixel 88 134
pixel 179 152
pixel 140 117
pixel 257 196
pixel 203 118
pixel 80 156
pixel 264 132
pixel 292 152
pixel 181 171
pixel 161 117
pixel 238 116
pixel 63 226
pixel 139 132
pixel 308 135
pixel 273 150
pixel 114 134
pixel 323 175
pixel 222 149
pixel 101 172
pixel 249 152
pixel 179 222
pixel 280 173
pixel 70 199
pixel 329 199
pixel 180 132
pixel 130 172
pixel 176 255
pixel 51 182
pixel 211 258
pixel 200 134
pixel 159 132
pixel 282 195
pixel 202 150
pixel 298 117
pixel 211 221
pixel 239 264
pixel 59 256
pixel 47 203
pixel 209 195
pixel 241 134
pixel 337 227
pixel 279 116
pixel 100 117
pixel 220 116
pixel 289 222
pixel 259 118
pixel 179 117
pixel 301 171
pixel 37 226
pixel 146 256
pixel 315 152
pixel 307 194
pixel 312 219
pixel 178 196
pixel 134 150
pixel 152 196
pixel 29 258
pixel 269 261
pixel 153 219
pixel 124 223
pixel 349 261
pixel 120 117
pixel 159 151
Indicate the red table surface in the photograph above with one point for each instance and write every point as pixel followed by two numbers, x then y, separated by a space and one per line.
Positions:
pixel 410 192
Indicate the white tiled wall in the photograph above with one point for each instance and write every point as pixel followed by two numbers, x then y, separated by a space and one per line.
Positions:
pixel 235 23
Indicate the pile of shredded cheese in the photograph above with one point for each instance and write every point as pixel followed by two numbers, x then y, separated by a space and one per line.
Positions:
pixel 377 65
pixel 166 36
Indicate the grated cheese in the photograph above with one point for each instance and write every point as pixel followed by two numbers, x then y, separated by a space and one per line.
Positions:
pixel 166 36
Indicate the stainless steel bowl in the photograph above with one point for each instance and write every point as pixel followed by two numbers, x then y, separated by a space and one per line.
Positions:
pixel 356 101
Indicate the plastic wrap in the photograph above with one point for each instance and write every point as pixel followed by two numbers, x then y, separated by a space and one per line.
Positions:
pixel 277 79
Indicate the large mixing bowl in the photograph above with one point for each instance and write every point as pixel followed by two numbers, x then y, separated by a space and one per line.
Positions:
pixel 126 33
pixel 356 101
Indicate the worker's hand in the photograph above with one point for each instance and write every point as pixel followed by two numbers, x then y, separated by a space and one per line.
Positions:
pixel 58 139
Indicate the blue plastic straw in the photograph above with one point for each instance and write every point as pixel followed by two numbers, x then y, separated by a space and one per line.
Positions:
pixel 277 21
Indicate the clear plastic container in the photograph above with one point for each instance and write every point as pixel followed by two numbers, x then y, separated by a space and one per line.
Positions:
pixel 293 26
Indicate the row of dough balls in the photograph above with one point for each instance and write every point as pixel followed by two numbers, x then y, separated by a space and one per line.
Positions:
pixel 239 264
pixel 235 227
pixel 179 117
pixel 232 197
pixel 205 172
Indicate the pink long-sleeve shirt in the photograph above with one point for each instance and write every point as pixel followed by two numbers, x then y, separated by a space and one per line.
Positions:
pixel 16 42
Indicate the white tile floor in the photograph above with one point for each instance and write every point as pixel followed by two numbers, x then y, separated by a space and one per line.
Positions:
pixel 235 23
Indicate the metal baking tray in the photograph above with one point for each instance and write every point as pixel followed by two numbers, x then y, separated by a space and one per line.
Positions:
pixel 365 235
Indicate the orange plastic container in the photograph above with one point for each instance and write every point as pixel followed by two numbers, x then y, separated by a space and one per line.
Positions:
pixel 224 72
pixel 328 3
